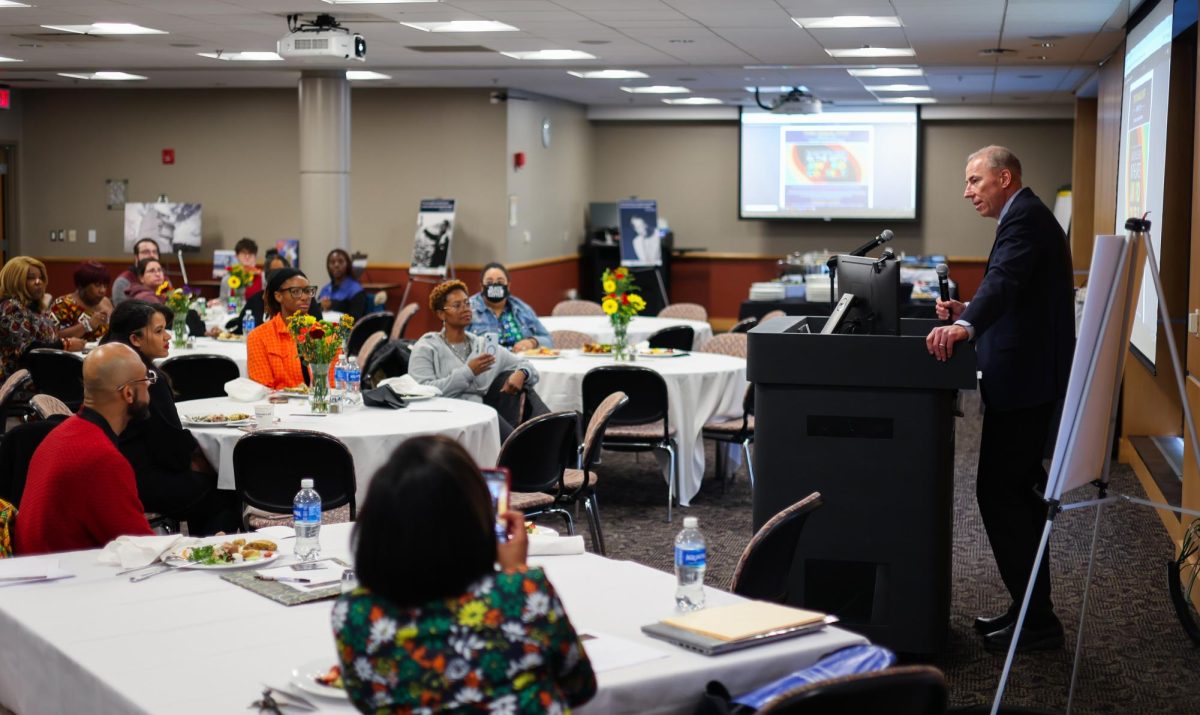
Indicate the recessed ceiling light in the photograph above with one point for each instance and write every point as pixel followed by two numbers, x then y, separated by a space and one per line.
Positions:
pixel 105 76
pixel 10 59
pixel 359 75
pixel 873 52
pixel 107 28
pixel 887 72
pixel 550 55
pixel 898 88
pixel 13 3
pixel 693 100
pixel 1043 44
pixel 461 26
pixel 907 100
pixel 1036 57
pixel 656 89
pixel 609 74
pixel 846 21
pixel 248 56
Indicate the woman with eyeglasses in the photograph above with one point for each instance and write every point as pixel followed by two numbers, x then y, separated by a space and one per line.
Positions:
pixel 470 367
pixel 271 355
pixel 173 477
pixel 150 280
pixel 25 322
pixel 494 309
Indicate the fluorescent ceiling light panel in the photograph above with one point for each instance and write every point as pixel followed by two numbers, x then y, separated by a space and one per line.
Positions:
pixel 859 52
pixel 846 21
pixel 887 72
pixel 10 59
pixel 907 100
pixel 609 74
pixel 788 88
pixel 657 89
pixel 107 28
pixel 248 56
pixel 693 100
pixel 898 87
pixel 461 26
pixel 550 55
pixel 12 3
pixel 359 75
pixel 107 76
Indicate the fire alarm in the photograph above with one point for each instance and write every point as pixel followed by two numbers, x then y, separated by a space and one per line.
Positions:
pixel 518 160
pixel 168 156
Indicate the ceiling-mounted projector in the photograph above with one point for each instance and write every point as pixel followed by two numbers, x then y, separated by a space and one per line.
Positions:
pixel 321 39
pixel 798 100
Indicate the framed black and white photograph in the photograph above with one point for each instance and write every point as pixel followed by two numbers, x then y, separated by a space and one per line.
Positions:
pixel 640 243
pixel 431 244
pixel 172 225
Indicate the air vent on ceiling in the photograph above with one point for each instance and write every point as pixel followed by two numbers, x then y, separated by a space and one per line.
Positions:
pixel 311 43
pixel 448 48
pixel 69 37
pixel 997 51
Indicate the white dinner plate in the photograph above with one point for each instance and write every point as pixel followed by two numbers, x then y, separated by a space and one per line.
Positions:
pixel 599 355
pixel 190 421
pixel 540 357
pixel 672 354
pixel 176 560
pixel 305 678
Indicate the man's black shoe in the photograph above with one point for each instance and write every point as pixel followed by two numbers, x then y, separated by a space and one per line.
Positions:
pixel 990 624
pixel 1049 637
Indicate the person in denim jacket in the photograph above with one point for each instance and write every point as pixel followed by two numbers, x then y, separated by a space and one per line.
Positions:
pixel 495 310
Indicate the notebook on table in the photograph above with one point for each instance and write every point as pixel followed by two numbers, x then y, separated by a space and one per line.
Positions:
pixel 713 631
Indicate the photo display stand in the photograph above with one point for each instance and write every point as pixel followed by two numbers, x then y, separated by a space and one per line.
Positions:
pixel 641 242
pixel 1083 449
pixel 432 245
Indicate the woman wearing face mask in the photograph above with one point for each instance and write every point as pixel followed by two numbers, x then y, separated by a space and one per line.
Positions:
pixel 495 310
pixel 342 293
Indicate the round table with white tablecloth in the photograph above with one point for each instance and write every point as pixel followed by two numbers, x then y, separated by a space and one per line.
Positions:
pixel 640 328
pixel 370 433
pixel 233 349
pixel 700 386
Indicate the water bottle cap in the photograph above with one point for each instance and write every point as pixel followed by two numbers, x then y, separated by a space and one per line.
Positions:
pixel 691 522
pixel 306 484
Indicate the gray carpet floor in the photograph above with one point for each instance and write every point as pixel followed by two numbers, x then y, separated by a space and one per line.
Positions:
pixel 1136 658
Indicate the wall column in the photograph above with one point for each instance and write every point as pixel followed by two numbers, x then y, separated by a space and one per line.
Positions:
pixel 324 167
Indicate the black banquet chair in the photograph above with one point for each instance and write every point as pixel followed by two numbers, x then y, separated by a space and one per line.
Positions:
pixel 763 570
pixel 269 464
pixel 580 484
pixel 365 327
pixel 744 325
pixel 537 455
pixel 905 690
pixel 58 373
pixel 679 337
pixel 642 424
pixel 195 377
pixel 16 452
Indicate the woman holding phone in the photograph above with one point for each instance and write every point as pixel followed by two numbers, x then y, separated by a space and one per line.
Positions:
pixel 433 624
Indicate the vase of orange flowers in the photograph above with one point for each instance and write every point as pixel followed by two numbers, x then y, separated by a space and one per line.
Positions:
pixel 238 279
pixel 621 302
pixel 179 300
pixel 318 343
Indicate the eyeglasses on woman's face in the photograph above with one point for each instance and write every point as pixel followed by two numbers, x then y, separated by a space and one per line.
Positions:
pixel 457 305
pixel 298 292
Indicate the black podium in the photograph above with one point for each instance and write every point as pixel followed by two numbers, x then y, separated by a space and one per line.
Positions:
pixel 868 421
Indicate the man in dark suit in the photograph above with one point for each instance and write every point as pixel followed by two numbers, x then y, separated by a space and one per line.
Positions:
pixel 1022 322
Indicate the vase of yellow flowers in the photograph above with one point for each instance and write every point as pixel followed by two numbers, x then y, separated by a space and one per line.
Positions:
pixel 318 343
pixel 238 279
pixel 621 302
pixel 179 300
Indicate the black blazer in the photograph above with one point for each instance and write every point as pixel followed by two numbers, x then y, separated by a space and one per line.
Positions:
pixel 158 444
pixel 1024 311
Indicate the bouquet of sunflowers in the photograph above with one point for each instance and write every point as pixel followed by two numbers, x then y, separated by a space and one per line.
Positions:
pixel 178 300
pixel 318 341
pixel 238 279
pixel 621 302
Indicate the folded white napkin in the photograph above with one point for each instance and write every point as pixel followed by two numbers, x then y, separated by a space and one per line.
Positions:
pixel 133 551
pixel 246 390
pixel 540 545
pixel 406 385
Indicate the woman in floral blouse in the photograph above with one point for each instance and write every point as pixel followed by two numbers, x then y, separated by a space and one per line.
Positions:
pixel 24 321
pixel 84 313
pixel 434 626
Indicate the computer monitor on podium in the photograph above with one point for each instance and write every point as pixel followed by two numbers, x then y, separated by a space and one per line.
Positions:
pixel 875 284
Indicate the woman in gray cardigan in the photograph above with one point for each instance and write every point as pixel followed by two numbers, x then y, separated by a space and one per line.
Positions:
pixel 469 367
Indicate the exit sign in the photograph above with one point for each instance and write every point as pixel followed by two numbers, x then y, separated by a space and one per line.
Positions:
pixel 5 98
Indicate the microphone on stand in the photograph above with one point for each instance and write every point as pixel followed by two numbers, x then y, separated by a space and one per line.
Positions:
pixel 884 236
pixel 943 274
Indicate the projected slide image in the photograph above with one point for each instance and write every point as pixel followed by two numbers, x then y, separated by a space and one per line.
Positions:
pixel 826 167
pixel 1137 139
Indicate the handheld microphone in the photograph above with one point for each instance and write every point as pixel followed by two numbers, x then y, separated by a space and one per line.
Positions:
pixel 943 274
pixel 884 236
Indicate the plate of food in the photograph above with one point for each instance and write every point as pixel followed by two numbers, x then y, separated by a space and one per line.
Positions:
pixel 228 337
pixel 662 352
pixel 293 393
pixel 536 530
pixel 221 555
pixel 596 350
pixel 540 354
pixel 216 419
pixel 321 678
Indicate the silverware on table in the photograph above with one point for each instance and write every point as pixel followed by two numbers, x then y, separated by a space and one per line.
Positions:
pixel 287 694
pixel 142 577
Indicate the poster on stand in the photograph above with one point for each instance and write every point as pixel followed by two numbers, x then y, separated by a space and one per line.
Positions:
pixel 171 225
pixel 640 243
pixel 222 260
pixel 289 248
pixel 435 230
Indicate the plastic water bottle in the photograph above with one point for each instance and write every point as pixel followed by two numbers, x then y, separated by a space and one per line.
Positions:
pixel 306 519
pixel 247 322
pixel 691 560
pixel 340 369
pixel 353 382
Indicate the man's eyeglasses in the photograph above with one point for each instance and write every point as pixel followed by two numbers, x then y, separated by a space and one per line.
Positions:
pixel 456 306
pixel 299 291
pixel 149 379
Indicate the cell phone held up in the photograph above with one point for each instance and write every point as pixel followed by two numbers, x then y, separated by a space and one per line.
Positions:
pixel 499 482
pixel 491 341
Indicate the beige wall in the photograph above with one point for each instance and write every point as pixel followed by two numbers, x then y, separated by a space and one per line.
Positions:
pixel 691 168
pixel 552 190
